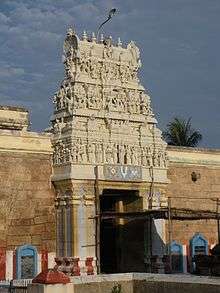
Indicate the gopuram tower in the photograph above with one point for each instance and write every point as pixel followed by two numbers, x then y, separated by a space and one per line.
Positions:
pixel 109 158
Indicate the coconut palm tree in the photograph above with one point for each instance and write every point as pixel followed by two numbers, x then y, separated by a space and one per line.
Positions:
pixel 179 132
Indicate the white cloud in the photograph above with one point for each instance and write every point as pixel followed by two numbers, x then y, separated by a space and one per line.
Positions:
pixel 3 18
pixel 8 71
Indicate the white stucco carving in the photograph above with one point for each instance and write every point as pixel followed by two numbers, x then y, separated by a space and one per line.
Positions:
pixel 102 114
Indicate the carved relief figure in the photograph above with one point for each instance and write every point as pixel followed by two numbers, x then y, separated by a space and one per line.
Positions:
pixel 128 154
pixel 68 155
pixel 109 154
pixel 111 71
pixel 56 126
pixel 122 158
pixel 134 76
pixel 145 104
pixel 91 152
pixel 134 158
pixel 99 99
pixel 123 73
pixel 155 158
pixel 139 155
pixel 107 50
pixel 150 156
pixel 112 101
pixel 121 101
pixel 94 69
pixel 79 96
pixel 144 156
pixel 115 153
pixel 131 102
pixel 56 101
pixel 55 154
pixel 74 153
pixel 99 153
pixel 135 52
pixel 82 152
pixel 70 47
pixel 166 159
pixel 91 97
pixel 85 67
pixel 160 158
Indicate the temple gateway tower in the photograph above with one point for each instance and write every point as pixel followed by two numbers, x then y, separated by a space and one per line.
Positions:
pixel 109 157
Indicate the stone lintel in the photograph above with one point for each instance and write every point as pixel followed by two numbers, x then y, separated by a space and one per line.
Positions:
pixel 87 172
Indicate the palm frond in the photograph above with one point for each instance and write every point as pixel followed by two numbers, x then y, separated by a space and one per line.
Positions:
pixel 179 132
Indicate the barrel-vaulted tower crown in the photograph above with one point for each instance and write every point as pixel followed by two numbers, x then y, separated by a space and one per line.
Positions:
pixel 102 114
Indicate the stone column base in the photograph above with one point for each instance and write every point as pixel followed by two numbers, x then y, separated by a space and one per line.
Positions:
pixel 74 266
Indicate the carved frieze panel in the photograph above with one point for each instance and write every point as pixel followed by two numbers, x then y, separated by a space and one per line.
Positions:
pixel 98 152
pixel 113 99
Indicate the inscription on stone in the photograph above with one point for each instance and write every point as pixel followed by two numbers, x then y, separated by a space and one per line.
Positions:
pixel 122 173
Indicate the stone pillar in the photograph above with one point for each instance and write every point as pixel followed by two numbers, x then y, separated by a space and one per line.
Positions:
pixel 75 226
pixel 9 264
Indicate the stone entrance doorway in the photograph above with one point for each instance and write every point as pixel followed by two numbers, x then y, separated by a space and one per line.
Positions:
pixel 121 240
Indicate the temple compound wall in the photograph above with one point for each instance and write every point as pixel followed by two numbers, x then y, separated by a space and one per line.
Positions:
pixel 26 193
pixel 194 176
pixel 194 184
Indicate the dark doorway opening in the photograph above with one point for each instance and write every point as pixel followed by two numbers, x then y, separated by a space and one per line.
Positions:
pixel 121 240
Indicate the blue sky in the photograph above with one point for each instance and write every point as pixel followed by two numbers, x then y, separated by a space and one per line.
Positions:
pixel 179 43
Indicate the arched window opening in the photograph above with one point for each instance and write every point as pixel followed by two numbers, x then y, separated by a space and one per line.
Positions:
pixel 26 262
pixel 176 257
pixel 198 246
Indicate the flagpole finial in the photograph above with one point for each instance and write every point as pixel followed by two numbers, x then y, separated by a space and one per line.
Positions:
pixel 110 15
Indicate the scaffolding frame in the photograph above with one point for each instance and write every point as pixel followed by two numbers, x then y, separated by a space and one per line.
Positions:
pixel 170 214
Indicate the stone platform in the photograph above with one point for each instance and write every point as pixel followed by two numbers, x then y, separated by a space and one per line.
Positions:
pixel 133 283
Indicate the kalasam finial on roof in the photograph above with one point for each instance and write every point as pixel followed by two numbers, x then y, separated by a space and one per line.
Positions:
pixel 119 42
pixel 93 37
pixel 70 31
pixel 84 37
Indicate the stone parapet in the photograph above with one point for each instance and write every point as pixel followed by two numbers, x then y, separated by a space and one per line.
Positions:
pixel 28 142
pixel 14 118
pixel 113 173
pixel 193 156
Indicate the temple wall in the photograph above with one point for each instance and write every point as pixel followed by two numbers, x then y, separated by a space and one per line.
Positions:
pixel 25 180
pixel 27 211
pixel 25 159
pixel 26 193
pixel 186 193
